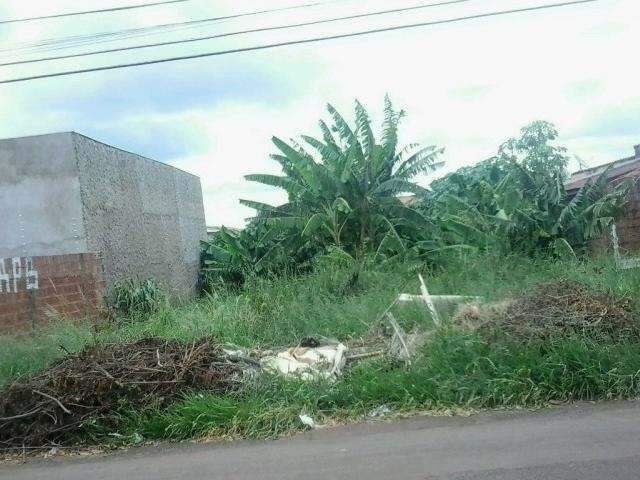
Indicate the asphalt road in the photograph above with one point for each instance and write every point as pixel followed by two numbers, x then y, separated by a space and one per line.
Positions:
pixel 586 442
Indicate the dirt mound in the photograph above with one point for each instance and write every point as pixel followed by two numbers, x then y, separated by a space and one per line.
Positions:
pixel 550 309
pixel 45 408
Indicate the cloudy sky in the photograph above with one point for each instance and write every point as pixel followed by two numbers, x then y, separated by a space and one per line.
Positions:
pixel 466 86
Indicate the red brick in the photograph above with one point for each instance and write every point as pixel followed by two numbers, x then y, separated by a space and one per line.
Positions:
pixel 73 298
pixel 60 281
pixel 70 288
pixel 47 292
pixel 52 301
pixel 68 284
pixel 7 309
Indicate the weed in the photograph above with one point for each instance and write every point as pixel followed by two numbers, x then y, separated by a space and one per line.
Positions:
pixel 455 369
pixel 24 354
pixel 133 298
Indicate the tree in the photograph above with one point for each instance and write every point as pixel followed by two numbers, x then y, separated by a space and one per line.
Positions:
pixel 342 190
pixel 516 200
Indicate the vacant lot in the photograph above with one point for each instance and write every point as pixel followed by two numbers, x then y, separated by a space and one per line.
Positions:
pixel 545 331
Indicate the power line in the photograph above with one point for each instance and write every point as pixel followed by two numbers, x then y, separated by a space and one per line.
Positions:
pixel 87 12
pixel 298 42
pixel 229 34
pixel 143 30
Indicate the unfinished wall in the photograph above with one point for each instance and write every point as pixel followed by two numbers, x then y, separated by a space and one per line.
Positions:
pixel 76 214
pixel 44 270
pixel 144 218
pixel 40 210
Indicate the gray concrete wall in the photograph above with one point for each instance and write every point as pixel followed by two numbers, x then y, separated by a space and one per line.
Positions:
pixel 40 209
pixel 144 218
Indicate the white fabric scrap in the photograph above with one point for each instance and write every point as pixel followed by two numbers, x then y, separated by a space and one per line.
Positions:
pixel 307 363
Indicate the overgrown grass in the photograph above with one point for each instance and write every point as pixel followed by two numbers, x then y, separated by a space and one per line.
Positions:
pixel 25 354
pixel 280 311
pixel 456 369
pixel 265 313
pixel 497 277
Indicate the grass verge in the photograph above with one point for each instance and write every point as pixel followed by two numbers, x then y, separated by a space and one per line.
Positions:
pixel 456 370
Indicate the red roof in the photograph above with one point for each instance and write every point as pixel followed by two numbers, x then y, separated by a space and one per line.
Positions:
pixel 620 169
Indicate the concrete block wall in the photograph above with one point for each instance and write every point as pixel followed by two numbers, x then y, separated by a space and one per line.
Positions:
pixel 83 215
pixel 143 217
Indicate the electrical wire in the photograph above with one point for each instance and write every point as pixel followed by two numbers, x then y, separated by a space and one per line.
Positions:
pixel 88 12
pixel 83 39
pixel 229 34
pixel 298 42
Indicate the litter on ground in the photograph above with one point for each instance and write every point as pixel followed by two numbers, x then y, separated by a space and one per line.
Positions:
pixel 380 411
pixel 307 421
pixel 307 363
pixel 42 409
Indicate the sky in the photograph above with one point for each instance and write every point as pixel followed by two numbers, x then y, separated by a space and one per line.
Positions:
pixel 465 86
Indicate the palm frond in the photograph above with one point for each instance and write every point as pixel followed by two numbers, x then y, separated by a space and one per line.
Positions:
pixel 342 127
pixel 313 224
pixel 365 134
pixel 421 161
pixel 286 183
pixel 390 124
pixel 260 207
pixel 395 186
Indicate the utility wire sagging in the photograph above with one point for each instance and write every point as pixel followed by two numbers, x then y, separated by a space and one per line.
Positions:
pixel 300 42
pixel 76 40
pixel 89 12
pixel 229 34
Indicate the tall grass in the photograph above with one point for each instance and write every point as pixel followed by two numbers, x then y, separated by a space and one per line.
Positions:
pixel 284 310
pixel 280 311
pixel 455 369
pixel 266 313
pixel 25 354
pixel 495 277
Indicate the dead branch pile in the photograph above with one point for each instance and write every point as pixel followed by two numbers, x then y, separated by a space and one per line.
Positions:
pixel 43 409
pixel 550 309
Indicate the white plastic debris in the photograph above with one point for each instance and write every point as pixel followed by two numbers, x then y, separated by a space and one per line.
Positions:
pixel 307 363
pixel 307 420
pixel 380 411
pixel 52 453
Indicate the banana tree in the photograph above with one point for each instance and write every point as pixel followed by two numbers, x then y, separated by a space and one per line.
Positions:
pixel 342 189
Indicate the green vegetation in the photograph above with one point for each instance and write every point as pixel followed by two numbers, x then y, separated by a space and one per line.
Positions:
pixel 516 200
pixel 344 204
pixel 136 297
pixel 331 260
pixel 343 201
pixel 457 368
pixel 24 354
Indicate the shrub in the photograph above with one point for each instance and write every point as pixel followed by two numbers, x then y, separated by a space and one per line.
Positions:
pixel 136 297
